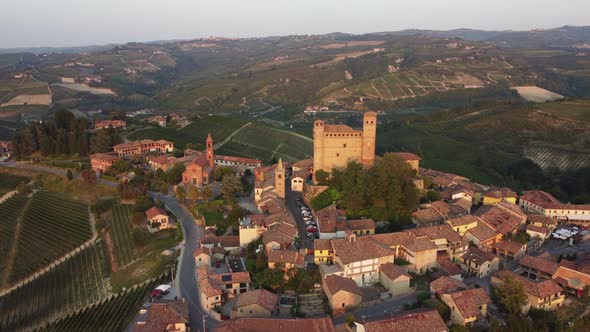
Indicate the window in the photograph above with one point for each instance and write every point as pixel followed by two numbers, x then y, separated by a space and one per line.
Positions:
pixel 228 286
pixel 338 155
pixel 343 145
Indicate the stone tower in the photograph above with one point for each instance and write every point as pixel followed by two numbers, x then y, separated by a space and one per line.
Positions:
pixel 210 153
pixel 318 146
pixel 369 135
pixel 280 179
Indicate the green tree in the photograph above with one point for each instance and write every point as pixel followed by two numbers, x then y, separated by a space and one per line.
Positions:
pixel 512 295
pixel 432 195
pixel 193 193
pixel 70 175
pixel 175 173
pixel 180 194
pixel 222 171
pixel 206 194
pixel 232 185
pixel 322 177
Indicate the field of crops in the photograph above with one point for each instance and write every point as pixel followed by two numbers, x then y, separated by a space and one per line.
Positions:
pixel 112 314
pixel 118 221
pixel 265 143
pixel 52 226
pixel 70 286
pixel 549 157
pixel 195 133
pixel 10 210
pixel 9 182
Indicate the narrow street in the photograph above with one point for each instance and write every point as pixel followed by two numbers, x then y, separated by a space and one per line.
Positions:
pixel 291 202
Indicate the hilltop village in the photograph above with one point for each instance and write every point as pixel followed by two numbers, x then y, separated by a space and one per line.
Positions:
pixel 459 258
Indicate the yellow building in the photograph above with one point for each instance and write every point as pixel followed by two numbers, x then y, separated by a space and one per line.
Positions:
pixel 322 251
pixel 336 145
pixel 464 223
pixel 495 195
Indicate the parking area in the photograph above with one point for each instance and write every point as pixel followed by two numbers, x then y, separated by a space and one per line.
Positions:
pixel 302 215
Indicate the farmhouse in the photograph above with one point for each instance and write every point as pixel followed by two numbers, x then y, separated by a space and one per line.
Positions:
pixel 158 120
pixel 255 303
pixel 143 146
pixel 158 219
pixel 102 161
pixel 335 145
pixel 110 124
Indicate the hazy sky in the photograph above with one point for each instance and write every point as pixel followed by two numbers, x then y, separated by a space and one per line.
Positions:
pixel 25 23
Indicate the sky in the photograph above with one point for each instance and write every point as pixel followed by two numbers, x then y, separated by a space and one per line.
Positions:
pixel 59 23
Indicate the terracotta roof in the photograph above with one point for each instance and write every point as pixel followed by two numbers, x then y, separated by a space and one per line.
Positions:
pixel 236 277
pixel 154 212
pixel 539 289
pixel 327 218
pixel 478 256
pixel 261 297
pixel 283 256
pixel 500 193
pixel 482 231
pixel 508 246
pixel 535 218
pixel 218 250
pixel 282 233
pixel 360 224
pixel 415 321
pixel 303 163
pixel 464 203
pixel 445 285
pixel 162 314
pixel 393 271
pixel 469 301
pixel 541 198
pixel 209 287
pixel 582 267
pixel 501 220
pixel 335 283
pixel 539 264
pixel 323 324
pixel 438 232
pixel 463 220
pixel 223 241
pixel 537 229
pixel 104 156
pixel 201 250
pixel 406 239
pixel 362 248
pixel 446 266
pixel 427 216
pixel 322 244
pixel 407 156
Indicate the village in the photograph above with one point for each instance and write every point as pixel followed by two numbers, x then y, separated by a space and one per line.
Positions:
pixel 466 246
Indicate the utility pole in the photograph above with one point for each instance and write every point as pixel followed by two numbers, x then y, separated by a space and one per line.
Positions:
pixel 204 327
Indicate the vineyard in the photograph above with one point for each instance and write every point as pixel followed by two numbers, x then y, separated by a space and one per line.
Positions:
pixel 112 314
pixel 550 157
pixel 266 143
pixel 52 226
pixel 10 210
pixel 195 133
pixel 74 284
pixel 9 182
pixel 118 221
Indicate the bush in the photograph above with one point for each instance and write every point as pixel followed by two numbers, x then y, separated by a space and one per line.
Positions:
pixel 350 320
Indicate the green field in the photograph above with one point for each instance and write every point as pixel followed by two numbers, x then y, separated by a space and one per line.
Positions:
pixel 195 133
pixel 578 110
pixel 52 225
pixel 9 182
pixel 74 284
pixel 10 210
pixel 118 221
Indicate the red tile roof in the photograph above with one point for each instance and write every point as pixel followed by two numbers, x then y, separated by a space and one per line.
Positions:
pixel 502 221
pixel 322 244
pixel 500 193
pixel 393 271
pixel 478 256
pixel 323 324
pixel 335 283
pixel 415 321
pixel 469 301
pixel 162 314
pixel 283 256
pixel 248 161
pixel 509 246
pixel 154 212
pixel 360 224
pixel 438 232
pixel 483 231
pixel 201 250
pixel 445 285
pixel 463 220
pixel 446 266
pixel 261 297
pixel 361 249
pixel 539 289
pixel 539 264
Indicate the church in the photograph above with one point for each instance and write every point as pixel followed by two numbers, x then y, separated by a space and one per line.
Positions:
pixel 335 145
pixel 200 171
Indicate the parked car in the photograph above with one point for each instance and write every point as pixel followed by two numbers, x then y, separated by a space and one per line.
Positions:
pixel 312 229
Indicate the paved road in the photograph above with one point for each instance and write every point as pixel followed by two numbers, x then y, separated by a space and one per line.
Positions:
pixel 186 280
pixel 381 310
pixel 291 202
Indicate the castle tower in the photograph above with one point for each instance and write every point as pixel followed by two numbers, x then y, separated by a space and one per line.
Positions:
pixel 369 135
pixel 210 153
pixel 318 146
pixel 280 179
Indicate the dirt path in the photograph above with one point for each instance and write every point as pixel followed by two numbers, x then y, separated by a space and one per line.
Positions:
pixel 110 253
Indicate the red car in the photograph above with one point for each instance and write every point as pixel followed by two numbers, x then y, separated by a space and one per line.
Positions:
pixel 312 229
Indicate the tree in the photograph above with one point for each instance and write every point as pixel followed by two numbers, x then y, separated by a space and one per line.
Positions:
pixel 512 295
pixel 174 175
pixel 180 194
pixel 432 195
pixel 69 175
pixel 206 194
pixel 222 171
pixel 193 193
pixel 232 186
pixel 322 177
pixel 350 319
